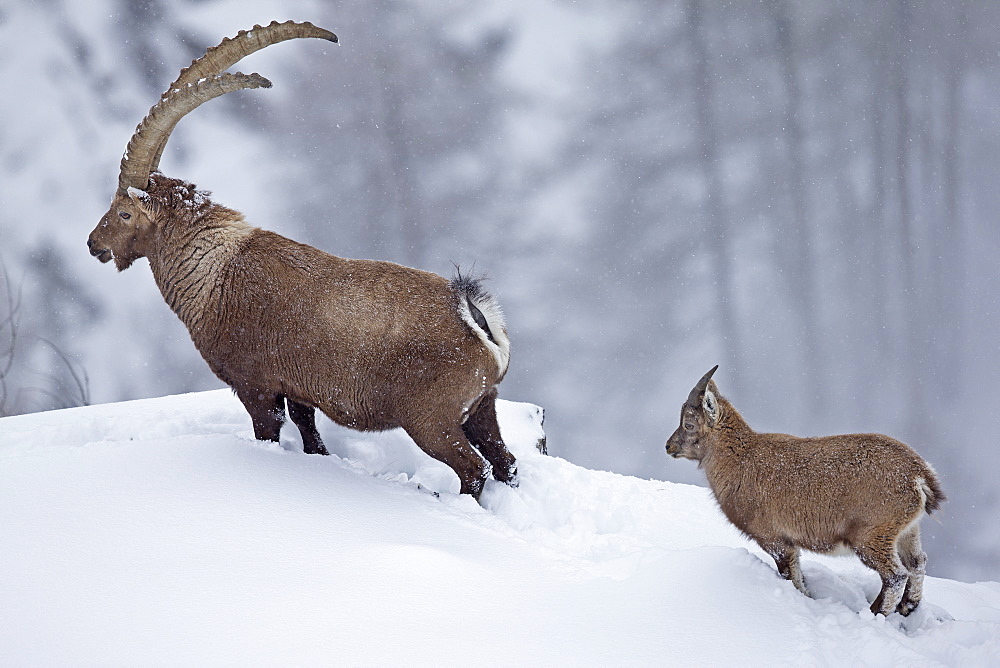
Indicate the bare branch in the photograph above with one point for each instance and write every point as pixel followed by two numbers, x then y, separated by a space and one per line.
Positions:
pixel 79 393
pixel 9 333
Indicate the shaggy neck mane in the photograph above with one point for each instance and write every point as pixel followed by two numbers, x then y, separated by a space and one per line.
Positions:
pixel 187 205
pixel 195 240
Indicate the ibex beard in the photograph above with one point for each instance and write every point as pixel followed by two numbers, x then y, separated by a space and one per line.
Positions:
pixel 860 492
pixel 374 345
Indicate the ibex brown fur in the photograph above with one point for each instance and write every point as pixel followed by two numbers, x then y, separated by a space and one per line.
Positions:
pixel 863 492
pixel 374 345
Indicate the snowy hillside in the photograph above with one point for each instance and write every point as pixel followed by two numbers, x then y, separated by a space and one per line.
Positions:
pixel 158 531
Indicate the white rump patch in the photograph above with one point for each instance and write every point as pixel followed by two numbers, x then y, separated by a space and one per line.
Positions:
pixel 924 490
pixel 490 309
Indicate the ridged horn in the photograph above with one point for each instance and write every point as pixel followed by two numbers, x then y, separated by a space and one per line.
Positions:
pixel 231 50
pixel 155 128
pixel 694 399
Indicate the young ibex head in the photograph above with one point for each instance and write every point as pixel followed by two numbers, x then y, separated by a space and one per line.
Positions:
pixel 698 414
pixel 124 231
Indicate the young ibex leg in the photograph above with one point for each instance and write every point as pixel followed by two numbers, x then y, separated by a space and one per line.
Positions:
pixel 304 418
pixel 267 411
pixel 915 561
pixel 448 444
pixel 879 553
pixel 483 431
pixel 786 558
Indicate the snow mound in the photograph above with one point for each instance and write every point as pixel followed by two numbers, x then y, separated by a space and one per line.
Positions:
pixel 159 531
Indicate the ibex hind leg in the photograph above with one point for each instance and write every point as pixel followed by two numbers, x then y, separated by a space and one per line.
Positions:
pixel 878 552
pixel 447 444
pixel 267 412
pixel 304 418
pixel 915 561
pixel 483 431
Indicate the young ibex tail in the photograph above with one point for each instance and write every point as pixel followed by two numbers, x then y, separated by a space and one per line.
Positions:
pixel 863 492
pixel 374 345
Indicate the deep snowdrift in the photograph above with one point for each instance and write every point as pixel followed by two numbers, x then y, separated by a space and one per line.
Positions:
pixel 159 531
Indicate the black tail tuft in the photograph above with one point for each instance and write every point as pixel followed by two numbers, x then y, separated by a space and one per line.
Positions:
pixel 468 285
pixel 471 290
pixel 935 495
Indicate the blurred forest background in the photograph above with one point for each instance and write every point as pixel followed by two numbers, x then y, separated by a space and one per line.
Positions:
pixel 803 192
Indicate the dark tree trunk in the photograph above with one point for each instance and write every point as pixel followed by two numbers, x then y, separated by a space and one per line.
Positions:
pixel 948 270
pixel 801 263
pixel 913 318
pixel 717 240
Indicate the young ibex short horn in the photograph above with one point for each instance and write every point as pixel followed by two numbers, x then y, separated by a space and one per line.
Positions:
pixel 863 492
pixel 373 345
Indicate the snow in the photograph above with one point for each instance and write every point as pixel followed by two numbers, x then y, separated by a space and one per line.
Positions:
pixel 160 532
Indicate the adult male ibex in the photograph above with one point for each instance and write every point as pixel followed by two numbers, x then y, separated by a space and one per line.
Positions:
pixel 863 492
pixel 374 345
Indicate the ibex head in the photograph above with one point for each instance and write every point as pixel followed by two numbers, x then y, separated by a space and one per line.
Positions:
pixel 125 231
pixel 699 414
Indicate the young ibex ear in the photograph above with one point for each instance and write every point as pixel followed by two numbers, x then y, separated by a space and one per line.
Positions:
pixel 711 408
pixel 149 206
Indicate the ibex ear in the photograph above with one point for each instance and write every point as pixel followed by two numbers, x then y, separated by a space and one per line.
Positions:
pixel 711 407
pixel 142 199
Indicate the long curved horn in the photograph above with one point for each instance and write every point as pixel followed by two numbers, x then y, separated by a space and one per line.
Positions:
pixel 694 399
pixel 155 128
pixel 231 50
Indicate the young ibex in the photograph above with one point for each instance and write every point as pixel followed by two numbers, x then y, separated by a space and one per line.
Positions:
pixel 374 345
pixel 862 492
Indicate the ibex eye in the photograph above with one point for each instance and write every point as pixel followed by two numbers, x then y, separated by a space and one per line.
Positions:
pixel 125 215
